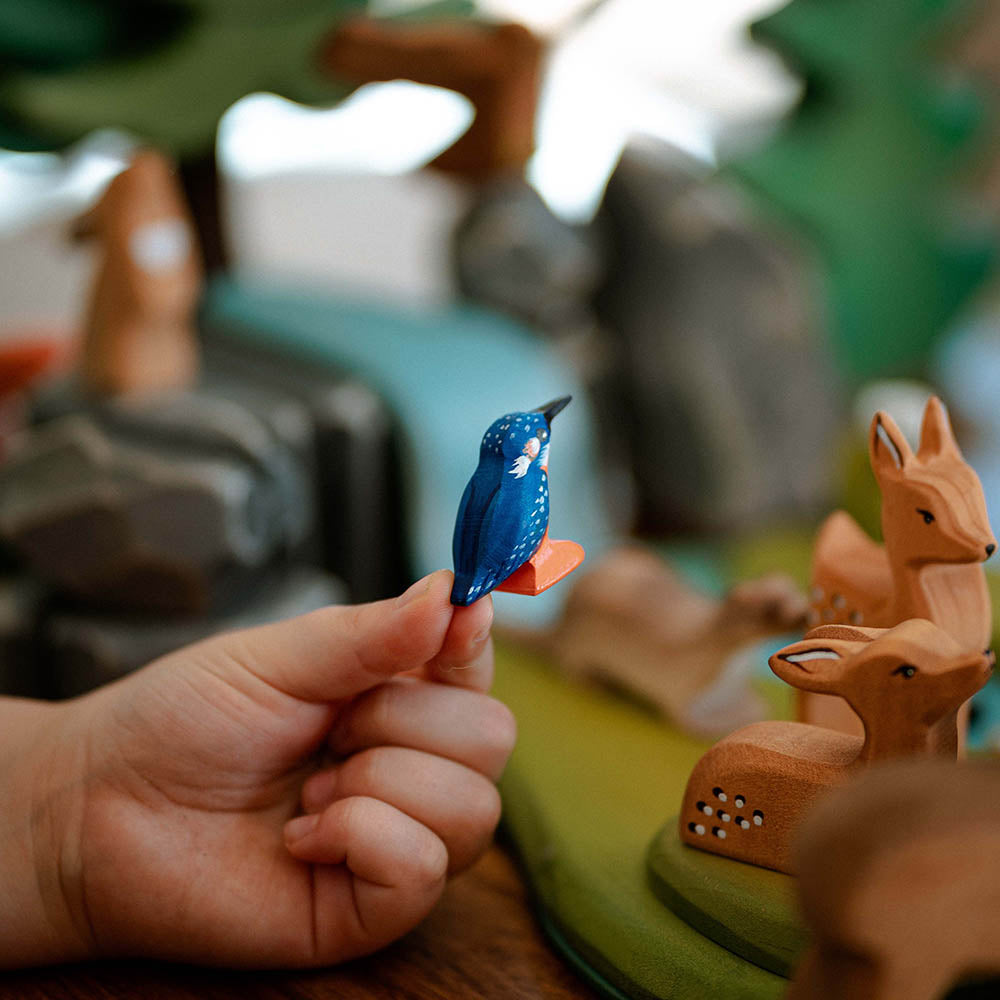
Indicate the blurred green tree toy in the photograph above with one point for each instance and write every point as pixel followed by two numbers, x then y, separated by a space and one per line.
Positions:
pixel 166 70
pixel 869 166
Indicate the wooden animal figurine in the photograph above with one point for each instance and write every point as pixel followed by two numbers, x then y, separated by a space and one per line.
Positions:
pixel 899 880
pixel 501 533
pixel 139 332
pixel 936 536
pixel 748 793
pixel 635 624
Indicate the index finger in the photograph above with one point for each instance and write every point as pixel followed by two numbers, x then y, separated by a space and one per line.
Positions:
pixel 466 655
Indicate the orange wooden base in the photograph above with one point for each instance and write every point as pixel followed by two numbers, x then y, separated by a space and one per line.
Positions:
pixel 552 561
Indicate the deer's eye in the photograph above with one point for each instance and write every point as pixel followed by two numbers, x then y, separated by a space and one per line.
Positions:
pixel 926 515
pixel 906 670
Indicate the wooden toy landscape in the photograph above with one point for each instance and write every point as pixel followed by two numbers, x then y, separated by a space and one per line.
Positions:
pixel 747 794
pixel 898 881
pixel 501 533
pixel 936 533
pixel 633 622
pixel 139 328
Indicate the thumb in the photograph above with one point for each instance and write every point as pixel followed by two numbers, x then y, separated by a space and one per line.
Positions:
pixel 337 652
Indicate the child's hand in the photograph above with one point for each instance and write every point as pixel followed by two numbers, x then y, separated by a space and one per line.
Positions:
pixel 293 794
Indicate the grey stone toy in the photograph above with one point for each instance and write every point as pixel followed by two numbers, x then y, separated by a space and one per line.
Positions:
pixel 154 505
pixel 726 381
pixel 83 651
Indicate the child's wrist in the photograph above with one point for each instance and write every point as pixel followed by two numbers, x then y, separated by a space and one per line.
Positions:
pixel 42 787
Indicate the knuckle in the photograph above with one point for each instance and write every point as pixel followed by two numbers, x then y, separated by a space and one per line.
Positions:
pixel 483 807
pixel 498 728
pixel 362 772
pixel 429 859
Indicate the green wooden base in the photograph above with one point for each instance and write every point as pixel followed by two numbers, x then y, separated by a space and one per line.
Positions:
pixel 591 781
pixel 750 911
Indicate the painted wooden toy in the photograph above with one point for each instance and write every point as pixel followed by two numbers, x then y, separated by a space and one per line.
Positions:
pixel 140 325
pixel 937 534
pixel 899 877
pixel 632 622
pixel 747 794
pixel 502 531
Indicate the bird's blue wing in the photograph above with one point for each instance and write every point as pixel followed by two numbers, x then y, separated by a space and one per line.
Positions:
pixel 473 513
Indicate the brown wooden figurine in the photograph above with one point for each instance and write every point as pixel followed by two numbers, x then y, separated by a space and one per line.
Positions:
pixel 899 880
pixel 139 331
pixel 936 535
pixel 747 794
pixel 496 66
pixel 633 623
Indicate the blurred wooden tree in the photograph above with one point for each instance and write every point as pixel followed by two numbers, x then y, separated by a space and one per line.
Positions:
pixel 869 167
pixel 166 70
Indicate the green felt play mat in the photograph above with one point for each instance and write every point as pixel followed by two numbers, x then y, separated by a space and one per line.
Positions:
pixel 591 783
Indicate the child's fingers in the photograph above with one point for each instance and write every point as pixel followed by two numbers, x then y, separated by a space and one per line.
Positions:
pixel 466 655
pixel 462 725
pixel 394 870
pixel 455 802
pixel 337 652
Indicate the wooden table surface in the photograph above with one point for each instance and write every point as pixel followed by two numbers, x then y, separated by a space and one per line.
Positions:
pixel 482 942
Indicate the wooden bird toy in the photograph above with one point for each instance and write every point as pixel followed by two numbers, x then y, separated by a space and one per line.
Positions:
pixel 937 535
pixel 140 325
pixel 748 793
pixel 501 534
pixel 899 879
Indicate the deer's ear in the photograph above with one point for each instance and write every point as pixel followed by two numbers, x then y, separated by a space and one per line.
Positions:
pixel 814 664
pixel 887 446
pixel 852 633
pixel 936 436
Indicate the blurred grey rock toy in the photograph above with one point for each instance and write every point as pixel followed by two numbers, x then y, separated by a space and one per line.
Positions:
pixel 152 505
pixel 726 381
pixel 513 254
pixel 83 651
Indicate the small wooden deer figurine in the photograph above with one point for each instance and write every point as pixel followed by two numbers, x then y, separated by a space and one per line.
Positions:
pixel 899 877
pixel 634 623
pixel 140 325
pixel 748 793
pixel 936 536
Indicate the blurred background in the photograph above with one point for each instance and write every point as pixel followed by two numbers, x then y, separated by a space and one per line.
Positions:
pixel 268 270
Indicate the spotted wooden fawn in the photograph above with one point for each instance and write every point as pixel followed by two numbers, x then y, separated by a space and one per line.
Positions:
pixel 748 793
pixel 936 535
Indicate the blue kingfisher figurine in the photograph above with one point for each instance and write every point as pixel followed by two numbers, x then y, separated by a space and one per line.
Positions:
pixel 501 533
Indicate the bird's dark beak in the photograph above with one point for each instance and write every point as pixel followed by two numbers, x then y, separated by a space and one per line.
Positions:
pixel 549 410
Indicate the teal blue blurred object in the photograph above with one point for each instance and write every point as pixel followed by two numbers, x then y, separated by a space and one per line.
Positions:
pixel 445 374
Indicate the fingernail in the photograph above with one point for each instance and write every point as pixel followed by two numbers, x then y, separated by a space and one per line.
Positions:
pixel 418 590
pixel 480 637
pixel 296 829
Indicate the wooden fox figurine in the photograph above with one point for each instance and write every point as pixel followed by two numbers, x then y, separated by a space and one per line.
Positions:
pixel 747 794
pixel 936 535
pixel 140 324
